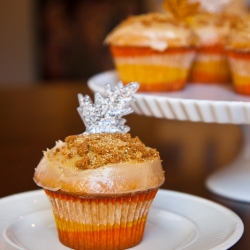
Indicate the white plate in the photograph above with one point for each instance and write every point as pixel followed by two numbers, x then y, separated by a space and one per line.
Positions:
pixel 176 221
pixel 197 102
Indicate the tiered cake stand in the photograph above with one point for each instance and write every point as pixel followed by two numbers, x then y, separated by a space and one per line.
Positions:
pixel 200 103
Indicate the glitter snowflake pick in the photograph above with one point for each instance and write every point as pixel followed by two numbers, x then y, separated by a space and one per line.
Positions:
pixel 105 114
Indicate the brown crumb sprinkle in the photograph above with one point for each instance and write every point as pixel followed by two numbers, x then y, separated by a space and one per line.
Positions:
pixel 96 150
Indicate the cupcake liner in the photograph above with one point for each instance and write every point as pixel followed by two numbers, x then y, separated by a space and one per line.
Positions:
pixel 240 68
pixel 210 66
pixel 111 223
pixel 155 71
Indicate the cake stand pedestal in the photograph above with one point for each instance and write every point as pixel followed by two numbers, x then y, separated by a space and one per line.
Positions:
pixel 233 181
pixel 200 103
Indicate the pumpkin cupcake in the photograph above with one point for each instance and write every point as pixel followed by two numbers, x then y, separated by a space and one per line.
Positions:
pixel 101 183
pixel 154 49
pixel 211 64
pixel 238 52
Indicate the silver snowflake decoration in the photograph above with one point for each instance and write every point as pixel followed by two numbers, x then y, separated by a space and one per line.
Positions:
pixel 105 114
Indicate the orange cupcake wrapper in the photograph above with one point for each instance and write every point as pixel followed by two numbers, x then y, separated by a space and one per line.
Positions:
pixel 124 51
pixel 244 90
pixel 100 223
pixel 210 70
pixel 215 49
pixel 199 77
pixel 240 68
pixel 154 70
pixel 238 55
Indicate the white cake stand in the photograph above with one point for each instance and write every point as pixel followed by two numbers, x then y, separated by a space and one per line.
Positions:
pixel 200 103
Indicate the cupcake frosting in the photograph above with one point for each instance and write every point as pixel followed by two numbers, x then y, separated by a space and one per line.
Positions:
pixel 211 28
pixel 239 38
pixel 100 165
pixel 155 30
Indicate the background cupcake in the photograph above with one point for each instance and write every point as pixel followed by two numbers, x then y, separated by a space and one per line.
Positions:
pixel 101 183
pixel 238 52
pixel 211 65
pixel 154 49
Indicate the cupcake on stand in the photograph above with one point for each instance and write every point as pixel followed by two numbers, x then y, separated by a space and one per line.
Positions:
pixel 155 49
pixel 212 25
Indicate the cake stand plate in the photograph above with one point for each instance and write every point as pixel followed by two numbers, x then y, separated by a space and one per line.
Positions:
pixel 200 103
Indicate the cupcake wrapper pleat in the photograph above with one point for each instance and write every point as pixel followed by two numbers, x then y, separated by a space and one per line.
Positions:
pixel 101 223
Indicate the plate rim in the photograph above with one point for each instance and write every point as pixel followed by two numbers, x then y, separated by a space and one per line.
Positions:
pixel 179 195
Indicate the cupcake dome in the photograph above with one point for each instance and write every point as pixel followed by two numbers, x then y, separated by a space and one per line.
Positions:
pixel 153 49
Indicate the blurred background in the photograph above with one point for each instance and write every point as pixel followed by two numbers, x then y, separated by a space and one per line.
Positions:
pixel 44 40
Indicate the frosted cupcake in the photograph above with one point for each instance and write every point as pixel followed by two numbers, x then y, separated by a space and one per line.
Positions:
pixel 238 52
pixel 211 65
pixel 153 49
pixel 101 183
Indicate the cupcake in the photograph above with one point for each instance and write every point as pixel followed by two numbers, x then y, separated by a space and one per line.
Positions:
pixel 238 52
pixel 101 183
pixel 211 65
pixel 154 49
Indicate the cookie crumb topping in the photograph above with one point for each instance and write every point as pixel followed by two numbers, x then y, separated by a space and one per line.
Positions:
pixel 96 150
